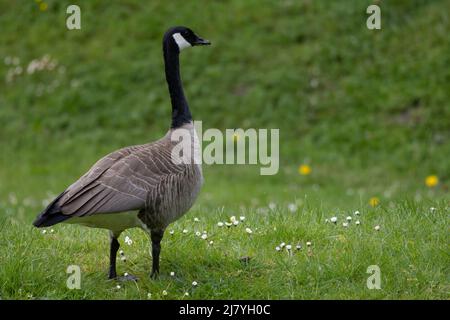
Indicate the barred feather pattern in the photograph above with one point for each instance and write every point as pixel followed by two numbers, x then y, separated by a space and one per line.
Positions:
pixel 140 178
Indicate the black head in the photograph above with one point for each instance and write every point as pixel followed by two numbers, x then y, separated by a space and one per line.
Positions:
pixel 183 37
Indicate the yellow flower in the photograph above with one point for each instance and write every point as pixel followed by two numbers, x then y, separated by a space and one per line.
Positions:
pixel 304 169
pixel 374 201
pixel 431 181
pixel 43 6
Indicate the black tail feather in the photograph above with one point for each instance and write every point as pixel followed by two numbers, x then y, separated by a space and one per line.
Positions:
pixel 51 215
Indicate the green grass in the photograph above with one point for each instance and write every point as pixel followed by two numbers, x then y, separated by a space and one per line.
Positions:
pixel 367 110
pixel 409 249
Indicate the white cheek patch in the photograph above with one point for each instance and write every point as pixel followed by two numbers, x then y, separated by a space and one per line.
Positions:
pixel 181 42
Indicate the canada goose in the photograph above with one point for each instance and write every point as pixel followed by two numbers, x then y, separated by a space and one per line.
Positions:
pixel 142 179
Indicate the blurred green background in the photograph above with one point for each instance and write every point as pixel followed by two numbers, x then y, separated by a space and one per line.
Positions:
pixel 367 110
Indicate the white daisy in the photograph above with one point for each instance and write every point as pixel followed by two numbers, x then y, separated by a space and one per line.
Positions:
pixel 377 228
pixel 345 224
pixel 164 293
pixel 118 287
pixel 248 230
pixel 128 241
pixel 288 247
pixel 333 219
pixel 198 234
pixel 235 222
pixel 277 248
pixel 242 218
pixel 349 218
pixel 149 295
pixel 204 236
pixel 308 244
pixel 292 207
pixel 211 243
pixel 298 247
pixel 172 274
pixel 185 231
pixel 196 220
pixel 357 222
pixel 194 283
pixel 356 213
pixel 233 218
pixel 171 232
pixel 282 245
pixel 220 224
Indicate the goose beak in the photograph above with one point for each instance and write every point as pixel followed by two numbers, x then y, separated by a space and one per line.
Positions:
pixel 201 42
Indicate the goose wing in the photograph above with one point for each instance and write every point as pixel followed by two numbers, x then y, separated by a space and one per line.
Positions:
pixel 124 180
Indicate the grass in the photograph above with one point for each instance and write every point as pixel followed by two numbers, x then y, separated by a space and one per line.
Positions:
pixel 409 248
pixel 367 110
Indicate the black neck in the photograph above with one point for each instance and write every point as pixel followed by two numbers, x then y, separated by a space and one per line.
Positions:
pixel 180 108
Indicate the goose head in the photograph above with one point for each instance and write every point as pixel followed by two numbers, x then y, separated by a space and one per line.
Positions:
pixel 182 38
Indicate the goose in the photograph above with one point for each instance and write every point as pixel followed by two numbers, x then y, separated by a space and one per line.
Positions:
pixel 138 186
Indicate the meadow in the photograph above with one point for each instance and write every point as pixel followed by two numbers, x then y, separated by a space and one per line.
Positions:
pixel 364 121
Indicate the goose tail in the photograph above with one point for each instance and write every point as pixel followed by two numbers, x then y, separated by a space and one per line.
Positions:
pixel 51 215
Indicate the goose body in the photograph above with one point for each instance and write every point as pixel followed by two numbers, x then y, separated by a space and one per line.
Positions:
pixel 142 178
pixel 139 186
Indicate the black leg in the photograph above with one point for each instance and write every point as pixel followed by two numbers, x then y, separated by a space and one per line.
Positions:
pixel 112 257
pixel 156 236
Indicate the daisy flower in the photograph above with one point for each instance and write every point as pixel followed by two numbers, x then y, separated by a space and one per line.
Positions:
pixel 128 241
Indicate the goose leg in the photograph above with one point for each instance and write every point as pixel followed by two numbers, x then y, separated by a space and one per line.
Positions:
pixel 112 257
pixel 156 236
